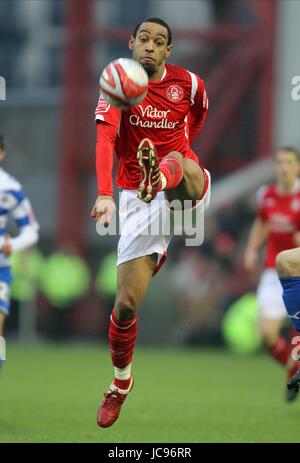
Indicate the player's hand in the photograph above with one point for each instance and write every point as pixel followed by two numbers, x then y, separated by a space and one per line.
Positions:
pixel 6 247
pixel 104 209
pixel 250 259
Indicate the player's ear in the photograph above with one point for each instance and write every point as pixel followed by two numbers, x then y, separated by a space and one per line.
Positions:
pixel 169 50
pixel 131 42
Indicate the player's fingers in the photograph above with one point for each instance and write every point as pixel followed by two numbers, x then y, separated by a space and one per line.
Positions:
pixel 94 212
pixel 99 211
pixel 97 215
pixel 106 218
pixel 101 208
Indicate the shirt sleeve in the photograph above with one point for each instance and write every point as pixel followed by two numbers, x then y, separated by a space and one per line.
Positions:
pixel 106 138
pixel 199 107
pixel 106 113
pixel 108 120
pixel 23 215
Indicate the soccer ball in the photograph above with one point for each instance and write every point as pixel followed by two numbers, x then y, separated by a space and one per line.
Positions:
pixel 124 83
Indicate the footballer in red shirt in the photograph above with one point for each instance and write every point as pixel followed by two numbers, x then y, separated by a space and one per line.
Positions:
pixel 278 226
pixel 156 163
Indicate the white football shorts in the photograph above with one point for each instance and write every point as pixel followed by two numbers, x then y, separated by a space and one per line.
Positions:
pixel 269 296
pixel 148 228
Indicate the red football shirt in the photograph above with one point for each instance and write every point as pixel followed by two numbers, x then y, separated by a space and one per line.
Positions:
pixel 171 115
pixel 282 213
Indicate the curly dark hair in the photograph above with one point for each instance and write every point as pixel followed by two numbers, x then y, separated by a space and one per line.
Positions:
pixel 155 21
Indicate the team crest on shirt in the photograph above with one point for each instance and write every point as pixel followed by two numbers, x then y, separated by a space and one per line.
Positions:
pixel 103 106
pixel 175 93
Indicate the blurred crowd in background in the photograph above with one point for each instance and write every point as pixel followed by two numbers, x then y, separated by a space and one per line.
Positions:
pixel 32 31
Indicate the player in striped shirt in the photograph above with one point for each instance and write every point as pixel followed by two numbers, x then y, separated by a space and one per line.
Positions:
pixel 14 202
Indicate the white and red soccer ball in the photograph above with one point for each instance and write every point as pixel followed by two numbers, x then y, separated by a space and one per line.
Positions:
pixel 123 83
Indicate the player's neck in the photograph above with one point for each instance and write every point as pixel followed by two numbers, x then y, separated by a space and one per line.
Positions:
pixel 288 187
pixel 158 75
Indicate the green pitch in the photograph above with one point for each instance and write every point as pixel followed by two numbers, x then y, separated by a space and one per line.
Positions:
pixel 51 394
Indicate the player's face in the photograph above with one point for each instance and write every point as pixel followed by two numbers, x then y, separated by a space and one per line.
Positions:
pixel 150 47
pixel 287 166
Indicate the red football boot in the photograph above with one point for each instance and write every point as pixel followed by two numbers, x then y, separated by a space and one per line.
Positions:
pixel 111 405
pixel 150 183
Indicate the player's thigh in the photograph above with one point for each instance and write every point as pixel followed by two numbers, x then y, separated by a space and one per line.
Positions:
pixel 133 278
pixel 288 263
pixel 2 320
pixel 192 184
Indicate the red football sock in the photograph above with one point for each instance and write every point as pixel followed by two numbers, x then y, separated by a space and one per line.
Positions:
pixel 293 334
pixel 122 337
pixel 280 351
pixel 172 170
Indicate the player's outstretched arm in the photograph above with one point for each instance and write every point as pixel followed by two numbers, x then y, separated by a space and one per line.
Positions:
pixel 257 237
pixel 198 111
pixel 104 207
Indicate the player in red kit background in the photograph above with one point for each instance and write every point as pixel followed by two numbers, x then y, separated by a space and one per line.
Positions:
pixel 277 223
pixel 152 142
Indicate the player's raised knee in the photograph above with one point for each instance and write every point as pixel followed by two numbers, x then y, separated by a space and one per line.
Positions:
pixel 176 155
pixel 288 263
pixel 193 177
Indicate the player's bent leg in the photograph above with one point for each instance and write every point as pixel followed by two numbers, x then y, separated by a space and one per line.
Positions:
pixel 192 185
pixel 155 175
pixel 181 176
pixel 279 349
pixel 276 346
pixel 288 263
pixel 288 268
pixel 133 278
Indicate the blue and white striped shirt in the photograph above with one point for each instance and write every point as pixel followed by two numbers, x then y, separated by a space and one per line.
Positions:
pixel 14 201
